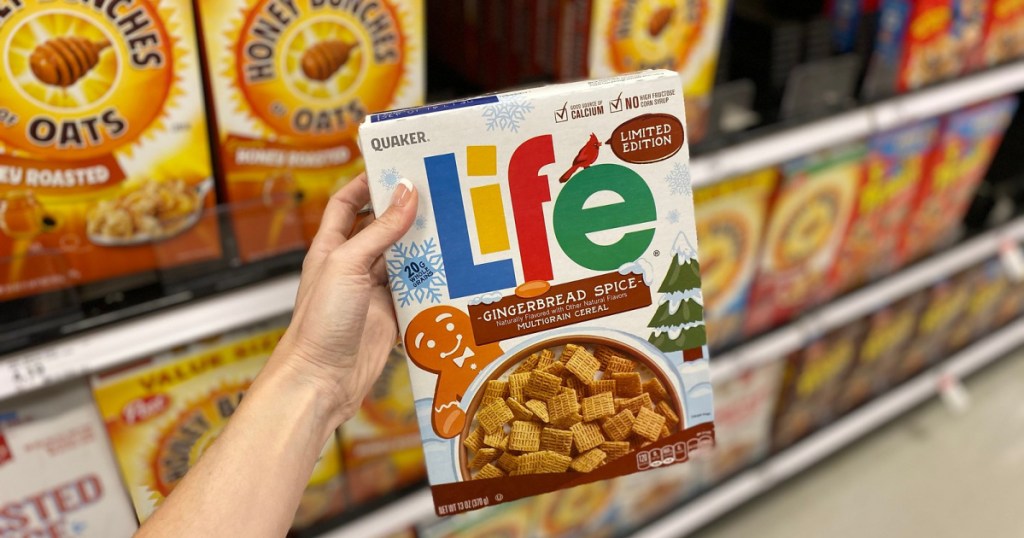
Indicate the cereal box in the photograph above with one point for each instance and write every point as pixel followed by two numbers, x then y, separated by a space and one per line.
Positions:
pixel 730 223
pixel 882 77
pixel 889 332
pixel 381 443
pixel 97 180
pixel 939 38
pixel 163 413
pixel 744 405
pixel 1004 37
pixel 816 197
pixel 896 162
pixel 549 293
pixel 58 476
pixel 511 520
pixel 627 35
pixel 946 303
pixel 290 83
pixel 641 498
pixel 959 162
pixel 988 284
pixel 812 383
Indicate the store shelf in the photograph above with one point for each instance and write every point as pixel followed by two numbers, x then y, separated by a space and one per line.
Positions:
pixel 89 352
pixel 864 301
pixel 764 477
pixel 778 147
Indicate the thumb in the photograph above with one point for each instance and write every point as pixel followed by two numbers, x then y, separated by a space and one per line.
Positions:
pixel 368 245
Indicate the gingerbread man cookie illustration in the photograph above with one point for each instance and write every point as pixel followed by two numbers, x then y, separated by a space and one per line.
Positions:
pixel 440 340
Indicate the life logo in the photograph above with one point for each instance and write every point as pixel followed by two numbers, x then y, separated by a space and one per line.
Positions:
pixel 574 217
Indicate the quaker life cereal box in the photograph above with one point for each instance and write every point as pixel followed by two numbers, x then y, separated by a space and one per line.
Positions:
pixel 730 222
pixel 958 164
pixel 162 415
pixel 381 443
pixel 896 162
pixel 744 406
pixel 816 197
pixel 1004 37
pixel 889 332
pixel 58 476
pixel 946 304
pixel 549 293
pixel 290 82
pixel 812 383
pixel 104 163
pixel 628 35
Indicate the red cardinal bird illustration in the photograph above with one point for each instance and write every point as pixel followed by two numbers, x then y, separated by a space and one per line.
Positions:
pixel 585 158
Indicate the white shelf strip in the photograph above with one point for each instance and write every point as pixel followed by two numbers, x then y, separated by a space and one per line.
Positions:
pixel 107 347
pixel 762 478
pixel 859 123
pixel 865 301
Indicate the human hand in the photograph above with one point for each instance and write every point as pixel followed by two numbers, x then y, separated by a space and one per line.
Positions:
pixel 344 323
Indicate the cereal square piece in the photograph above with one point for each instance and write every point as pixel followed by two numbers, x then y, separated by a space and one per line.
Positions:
pixel 488 400
pixel 620 365
pixel 542 385
pixel 494 416
pixel 583 365
pixel 563 406
pixel 528 365
pixel 664 431
pixel 640 402
pixel 657 391
pixel 568 351
pixel 648 424
pixel 556 440
pixel 628 385
pixel 520 411
pixel 475 440
pixel 601 385
pixel 615 449
pixel 483 457
pixel 517 385
pixel 555 368
pixel 567 390
pixel 497 440
pixel 547 358
pixel 637 442
pixel 619 426
pixel 600 406
pixel 550 462
pixel 489 471
pixel 540 410
pixel 528 463
pixel 507 462
pixel 603 353
pixel 525 436
pixel 586 435
pixel 589 460
pixel 568 421
pixel 496 389
pixel 671 418
pixel 575 384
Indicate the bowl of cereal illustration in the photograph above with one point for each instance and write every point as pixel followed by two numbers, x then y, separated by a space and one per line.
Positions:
pixel 571 402
pixel 149 212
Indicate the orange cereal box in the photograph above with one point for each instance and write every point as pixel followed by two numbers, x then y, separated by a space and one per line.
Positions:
pixel 1004 37
pixel 163 413
pixel 549 292
pixel 104 159
pixel 290 82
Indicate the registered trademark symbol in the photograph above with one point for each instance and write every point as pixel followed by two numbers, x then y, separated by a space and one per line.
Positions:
pixel 499 497
pixel 657 253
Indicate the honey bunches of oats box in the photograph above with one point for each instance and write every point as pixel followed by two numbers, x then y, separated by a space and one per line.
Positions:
pixel 290 82
pixel 163 413
pixel 104 158
pixel 58 475
pixel 549 292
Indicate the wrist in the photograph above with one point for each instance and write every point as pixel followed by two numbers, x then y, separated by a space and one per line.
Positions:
pixel 310 399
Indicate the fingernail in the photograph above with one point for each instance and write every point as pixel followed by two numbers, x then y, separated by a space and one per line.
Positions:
pixel 401 195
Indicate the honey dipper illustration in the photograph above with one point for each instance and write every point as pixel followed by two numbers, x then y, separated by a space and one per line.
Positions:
pixel 659 21
pixel 62 61
pixel 324 59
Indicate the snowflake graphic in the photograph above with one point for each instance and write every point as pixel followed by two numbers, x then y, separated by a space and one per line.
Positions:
pixel 389 178
pixel 416 271
pixel 421 222
pixel 673 216
pixel 506 115
pixel 679 180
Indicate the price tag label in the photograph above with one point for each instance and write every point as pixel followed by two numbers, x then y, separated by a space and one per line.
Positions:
pixel 954 394
pixel 1013 260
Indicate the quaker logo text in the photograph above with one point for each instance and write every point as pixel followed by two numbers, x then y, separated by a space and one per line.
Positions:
pixel 397 141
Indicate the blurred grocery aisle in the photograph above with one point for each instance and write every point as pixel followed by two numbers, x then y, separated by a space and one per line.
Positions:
pixel 933 472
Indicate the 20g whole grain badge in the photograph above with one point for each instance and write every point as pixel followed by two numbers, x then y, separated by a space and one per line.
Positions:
pixel 549 291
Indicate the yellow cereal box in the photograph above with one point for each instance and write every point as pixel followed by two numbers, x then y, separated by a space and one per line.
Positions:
pixel 550 293
pixel 290 81
pixel 162 415
pixel 629 35
pixel 104 160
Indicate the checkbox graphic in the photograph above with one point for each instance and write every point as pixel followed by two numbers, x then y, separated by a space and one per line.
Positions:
pixel 562 114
